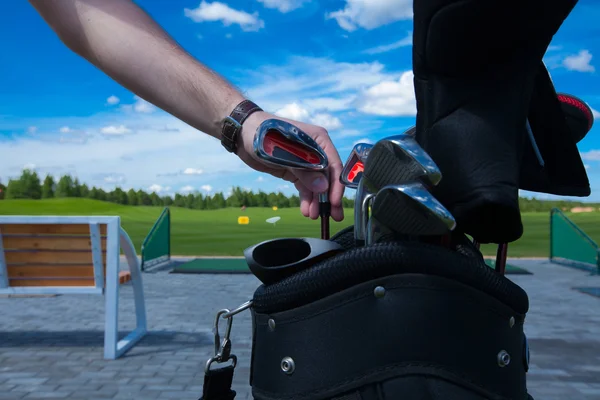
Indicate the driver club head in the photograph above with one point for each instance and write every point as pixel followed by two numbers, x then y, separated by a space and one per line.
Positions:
pixel 355 165
pixel 282 144
pixel 399 159
pixel 410 209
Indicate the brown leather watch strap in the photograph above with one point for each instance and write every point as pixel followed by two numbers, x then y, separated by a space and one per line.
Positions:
pixel 232 125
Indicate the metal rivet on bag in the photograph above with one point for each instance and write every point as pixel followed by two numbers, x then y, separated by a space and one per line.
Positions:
pixel 272 324
pixel 379 292
pixel 511 322
pixel 503 358
pixel 288 365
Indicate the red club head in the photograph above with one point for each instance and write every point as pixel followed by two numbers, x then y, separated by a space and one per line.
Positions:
pixel 280 143
pixel 354 167
pixel 278 146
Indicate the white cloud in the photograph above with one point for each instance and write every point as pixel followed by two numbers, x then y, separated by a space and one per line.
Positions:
pixel 407 41
pixel 206 188
pixel 390 98
pixel 579 62
pixel 298 113
pixel 142 106
pixel 216 11
pixel 113 100
pixel 187 189
pixel 328 85
pixel 29 166
pixel 327 121
pixel 595 113
pixel 139 106
pixel 115 130
pixel 260 179
pixel 192 171
pixel 294 111
pixel 65 129
pixel 283 6
pixel 371 14
pixel 592 155
pixel 158 189
pixel 32 129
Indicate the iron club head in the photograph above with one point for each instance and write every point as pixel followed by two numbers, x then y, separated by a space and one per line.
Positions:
pixel 280 143
pixel 410 209
pixel 399 159
pixel 354 166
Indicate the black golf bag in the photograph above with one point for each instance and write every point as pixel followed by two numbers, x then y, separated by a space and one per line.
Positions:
pixel 395 320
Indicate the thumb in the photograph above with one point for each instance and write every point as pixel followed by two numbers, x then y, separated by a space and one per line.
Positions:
pixel 314 181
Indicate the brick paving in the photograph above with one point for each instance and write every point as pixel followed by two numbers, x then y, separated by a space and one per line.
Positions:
pixel 51 348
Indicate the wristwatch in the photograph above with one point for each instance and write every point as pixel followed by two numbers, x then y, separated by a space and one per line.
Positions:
pixel 232 124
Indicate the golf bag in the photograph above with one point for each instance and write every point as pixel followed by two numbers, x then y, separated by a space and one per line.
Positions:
pixel 395 320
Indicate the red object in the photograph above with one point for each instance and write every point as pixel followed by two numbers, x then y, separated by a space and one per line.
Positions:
pixel 580 105
pixel 274 140
pixel 356 169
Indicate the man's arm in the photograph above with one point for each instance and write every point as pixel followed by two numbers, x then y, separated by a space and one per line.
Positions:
pixel 120 39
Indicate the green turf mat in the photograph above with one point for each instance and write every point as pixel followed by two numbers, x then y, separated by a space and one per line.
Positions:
pixel 212 266
pixel 510 269
pixel 239 266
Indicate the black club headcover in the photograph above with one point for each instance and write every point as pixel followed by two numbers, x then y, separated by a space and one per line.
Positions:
pixel 478 78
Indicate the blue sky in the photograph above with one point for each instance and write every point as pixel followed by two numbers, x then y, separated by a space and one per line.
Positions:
pixel 342 64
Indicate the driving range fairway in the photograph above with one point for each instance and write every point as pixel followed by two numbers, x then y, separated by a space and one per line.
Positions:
pixel 217 232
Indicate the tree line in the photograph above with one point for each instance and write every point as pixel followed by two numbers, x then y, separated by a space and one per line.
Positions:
pixel 30 186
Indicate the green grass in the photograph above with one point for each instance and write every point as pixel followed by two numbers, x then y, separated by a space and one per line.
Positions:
pixel 216 232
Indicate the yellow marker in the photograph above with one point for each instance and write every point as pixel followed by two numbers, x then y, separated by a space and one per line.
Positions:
pixel 243 220
pixel 274 208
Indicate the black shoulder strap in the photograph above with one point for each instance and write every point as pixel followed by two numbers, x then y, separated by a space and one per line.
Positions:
pixel 217 384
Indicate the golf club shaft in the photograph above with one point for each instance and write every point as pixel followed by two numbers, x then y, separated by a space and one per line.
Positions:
pixel 501 258
pixel 324 213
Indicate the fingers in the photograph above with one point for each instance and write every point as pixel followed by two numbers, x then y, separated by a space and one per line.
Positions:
pixel 306 197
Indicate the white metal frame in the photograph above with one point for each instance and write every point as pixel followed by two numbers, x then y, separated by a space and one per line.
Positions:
pixel 117 239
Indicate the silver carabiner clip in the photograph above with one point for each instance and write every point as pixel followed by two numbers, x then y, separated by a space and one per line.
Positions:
pixel 222 347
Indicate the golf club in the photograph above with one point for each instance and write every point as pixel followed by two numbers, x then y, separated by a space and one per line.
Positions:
pixel 351 177
pixel 282 144
pixel 399 159
pixel 410 209
pixel 355 165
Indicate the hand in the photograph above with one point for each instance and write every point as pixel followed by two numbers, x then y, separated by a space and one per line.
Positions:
pixel 308 183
